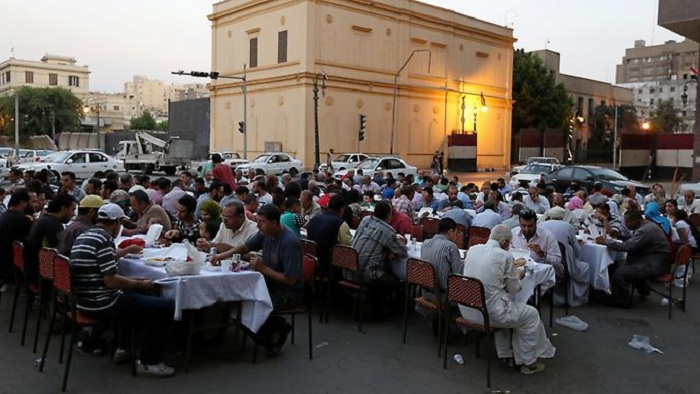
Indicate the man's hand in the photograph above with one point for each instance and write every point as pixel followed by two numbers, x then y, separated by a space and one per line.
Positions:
pixel 172 234
pixel 215 259
pixel 202 244
pixel 144 284
pixel 600 240
pixel 135 249
pixel 536 248
pixel 256 263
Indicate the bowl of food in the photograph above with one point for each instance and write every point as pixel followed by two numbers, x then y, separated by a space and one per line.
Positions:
pixel 519 253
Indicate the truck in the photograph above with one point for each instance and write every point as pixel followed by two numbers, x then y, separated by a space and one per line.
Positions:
pixel 147 153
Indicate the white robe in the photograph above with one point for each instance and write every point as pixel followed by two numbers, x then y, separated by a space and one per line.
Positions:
pixel 494 267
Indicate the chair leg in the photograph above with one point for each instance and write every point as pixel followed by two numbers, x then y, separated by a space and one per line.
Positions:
pixel 188 350
pixel 63 339
pixel 311 355
pixel 28 306
pixel 42 306
pixel 551 308
pixel 293 328
pixel 670 299
pixel 440 333
pixel 361 312
pixel 74 331
pixel 488 357
pixel 405 315
pixel 48 339
pixel 327 308
pixel 14 305
pixel 446 327
pixel 133 347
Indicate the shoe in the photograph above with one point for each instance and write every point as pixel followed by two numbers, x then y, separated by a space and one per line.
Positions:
pixel 89 348
pixel 273 350
pixel 121 356
pixel 532 369
pixel 159 370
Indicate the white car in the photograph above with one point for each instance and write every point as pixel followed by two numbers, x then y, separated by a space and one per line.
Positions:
pixel 387 164
pixel 536 160
pixel 530 174
pixel 345 161
pixel 273 163
pixel 231 158
pixel 33 155
pixel 84 163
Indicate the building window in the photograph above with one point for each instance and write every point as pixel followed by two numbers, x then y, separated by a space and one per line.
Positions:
pixel 53 79
pixel 253 52
pixel 282 46
pixel 684 114
pixel 73 81
pixel 673 89
pixel 651 101
pixel 8 78
pixel 661 89
pixel 639 91
pixel 29 77
pixel 116 108
pixel 652 90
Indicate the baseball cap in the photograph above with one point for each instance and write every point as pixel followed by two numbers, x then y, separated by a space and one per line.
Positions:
pixel 110 211
pixel 135 188
pixel 119 195
pixel 91 201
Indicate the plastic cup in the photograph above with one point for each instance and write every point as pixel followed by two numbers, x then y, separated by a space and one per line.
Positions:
pixel 226 265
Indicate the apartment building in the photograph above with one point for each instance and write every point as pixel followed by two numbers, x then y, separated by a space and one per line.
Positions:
pixel 50 71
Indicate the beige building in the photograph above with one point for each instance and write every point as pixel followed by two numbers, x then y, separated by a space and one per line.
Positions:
pixel 360 46
pixel 109 108
pixel 50 71
pixel 153 95
pixel 587 95
pixel 669 61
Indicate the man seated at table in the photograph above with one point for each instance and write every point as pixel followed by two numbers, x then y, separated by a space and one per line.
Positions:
pixel 87 217
pixel 606 222
pixel 328 229
pixel 688 203
pixel 234 231
pixel 569 217
pixel 565 234
pixel 186 224
pixel 280 264
pixel 493 265
pixel 145 211
pixel 488 218
pixel 542 245
pixel 378 247
pixel 104 295
pixel 442 253
pixel 535 202
pixel 648 256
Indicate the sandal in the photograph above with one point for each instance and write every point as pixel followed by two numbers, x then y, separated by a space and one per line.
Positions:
pixel 532 368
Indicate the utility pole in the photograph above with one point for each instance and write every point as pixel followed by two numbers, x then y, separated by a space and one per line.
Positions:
pixel 615 141
pixel 317 151
pixel 17 124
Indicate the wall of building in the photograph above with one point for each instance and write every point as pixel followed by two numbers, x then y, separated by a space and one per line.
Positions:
pixel 190 120
pixel 361 47
pixel 670 60
pixel 64 71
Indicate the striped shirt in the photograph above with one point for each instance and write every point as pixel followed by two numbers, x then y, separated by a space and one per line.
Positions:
pixel 444 256
pixel 92 258
pixel 373 239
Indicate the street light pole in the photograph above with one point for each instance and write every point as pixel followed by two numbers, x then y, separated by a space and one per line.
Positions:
pixel 317 151
pixel 244 88
pixel 615 141
pixel 17 124
pixel 396 87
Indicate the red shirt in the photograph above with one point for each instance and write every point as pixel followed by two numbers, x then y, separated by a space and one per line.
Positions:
pixel 401 223
pixel 223 174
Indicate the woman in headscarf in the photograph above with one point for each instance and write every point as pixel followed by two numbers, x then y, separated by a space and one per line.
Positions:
pixel 210 210
pixel 651 212
pixel 575 205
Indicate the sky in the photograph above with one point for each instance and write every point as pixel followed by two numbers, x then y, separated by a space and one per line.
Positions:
pixel 118 39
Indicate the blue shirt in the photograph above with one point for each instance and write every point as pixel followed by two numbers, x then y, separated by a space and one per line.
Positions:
pixel 282 255
pixel 388 193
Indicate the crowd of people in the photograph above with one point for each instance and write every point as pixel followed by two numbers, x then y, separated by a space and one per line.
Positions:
pixel 226 212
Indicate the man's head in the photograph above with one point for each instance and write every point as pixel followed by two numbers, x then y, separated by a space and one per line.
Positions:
pixel 632 189
pixel 556 213
pixel 558 200
pixel 427 194
pixel 366 180
pixel 241 192
pixel 452 193
pixel 633 219
pixel 533 193
pixel 490 204
pixel 186 205
pixel 215 191
pixel 68 180
pixel 486 188
pixel 163 185
pixel 671 207
pixel 307 198
pixel 89 206
pixel 93 186
pixel 107 188
pixel 383 211
pixel 528 223
pixel 251 203
pixel 269 220
pixel 233 215
pixel 260 188
pixel 502 234
pixel 446 226
pixel 15 175
pixel 145 181
pixel 336 204
pixel 110 217
pixel 126 181
pixel 63 207
pixel 293 205
pixel 501 183
pixel 603 209
pixel 495 196
pixel 23 200
pixel 185 178
pixel 140 201
pixel 689 196
pixel 216 158
pixel 409 192
pixel 208 175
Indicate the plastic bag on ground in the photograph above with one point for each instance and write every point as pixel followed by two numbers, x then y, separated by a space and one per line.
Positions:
pixel 572 322
pixel 641 342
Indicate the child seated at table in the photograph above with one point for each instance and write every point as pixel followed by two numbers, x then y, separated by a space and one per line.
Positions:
pixel 208 229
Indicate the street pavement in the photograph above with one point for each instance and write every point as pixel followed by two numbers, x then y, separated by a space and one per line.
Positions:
pixel 345 361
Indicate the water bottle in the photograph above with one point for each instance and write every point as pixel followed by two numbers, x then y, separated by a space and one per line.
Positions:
pixel 458 359
pixel 664 301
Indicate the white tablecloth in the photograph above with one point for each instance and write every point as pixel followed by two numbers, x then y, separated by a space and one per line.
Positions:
pixel 207 288
pixel 543 274
pixel 599 257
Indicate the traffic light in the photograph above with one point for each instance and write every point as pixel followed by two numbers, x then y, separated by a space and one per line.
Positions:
pixel 199 74
pixel 241 127
pixel 214 75
pixel 363 126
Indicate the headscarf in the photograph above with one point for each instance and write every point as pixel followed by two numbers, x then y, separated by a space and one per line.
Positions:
pixel 651 212
pixel 574 203
pixel 212 209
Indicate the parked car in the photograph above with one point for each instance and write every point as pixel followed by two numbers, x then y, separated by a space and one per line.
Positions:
pixel 7 158
pixel 613 182
pixel 84 163
pixel 536 160
pixel 387 164
pixel 530 174
pixel 273 163
pixel 694 187
pixel 231 158
pixel 33 155
pixel 345 161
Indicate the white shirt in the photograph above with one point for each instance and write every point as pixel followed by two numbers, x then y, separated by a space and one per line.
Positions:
pixel 546 241
pixel 237 238
pixel 541 206
pixel 488 219
pixel 266 199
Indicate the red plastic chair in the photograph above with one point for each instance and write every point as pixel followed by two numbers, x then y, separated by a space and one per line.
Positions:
pixel 469 292
pixel 682 260
pixel 345 259
pixel 478 236
pixel 420 275
pixel 430 227
pixel 417 232
pixel 46 257
pixel 459 237
pixel 31 289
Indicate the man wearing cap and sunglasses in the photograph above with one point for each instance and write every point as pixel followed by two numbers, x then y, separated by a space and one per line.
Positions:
pixel 87 217
pixel 104 295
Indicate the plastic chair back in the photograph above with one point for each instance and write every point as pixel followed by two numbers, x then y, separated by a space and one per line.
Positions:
pixel 46 258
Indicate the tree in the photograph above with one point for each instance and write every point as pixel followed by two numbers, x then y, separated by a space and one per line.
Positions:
pixel 163 126
pixel 39 108
pixel 143 122
pixel 540 101
pixel 665 119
